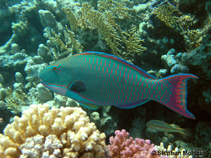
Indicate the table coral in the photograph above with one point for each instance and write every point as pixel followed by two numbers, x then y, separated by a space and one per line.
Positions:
pixel 43 132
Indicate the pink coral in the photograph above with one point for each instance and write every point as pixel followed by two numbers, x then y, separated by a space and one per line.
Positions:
pixel 121 147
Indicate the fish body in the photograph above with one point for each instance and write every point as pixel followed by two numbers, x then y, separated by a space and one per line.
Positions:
pixel 95 79
pixel 164 127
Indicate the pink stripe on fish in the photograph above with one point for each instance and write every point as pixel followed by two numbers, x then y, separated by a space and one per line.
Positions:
pixel 134 81
pixel 162 87
pixel 118 66
pixel 146 84
pixel 129 65
pixel 103 70
pixel 124 75
pixel 97 62
pixel 111 71
pixel 128 75
pixel 131 92
pixel 116 73
pixel 107 70
pixel 109 75
pixel 161 98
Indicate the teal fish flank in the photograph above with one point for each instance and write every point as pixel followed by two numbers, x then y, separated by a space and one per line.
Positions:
pixel 95 79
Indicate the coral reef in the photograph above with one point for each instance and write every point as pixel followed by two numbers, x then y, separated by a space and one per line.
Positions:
pixel 175 20
pixel 44 132
pixel 161 37
pixel 105 122
pixel 104 20
pixel 173 62
pixel 121 147
pixel 203 135
pixel 199 60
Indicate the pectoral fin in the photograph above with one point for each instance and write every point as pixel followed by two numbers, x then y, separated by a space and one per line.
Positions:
pixel 78 87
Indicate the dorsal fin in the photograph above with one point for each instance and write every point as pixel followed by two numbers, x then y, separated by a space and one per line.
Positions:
pixel 105 55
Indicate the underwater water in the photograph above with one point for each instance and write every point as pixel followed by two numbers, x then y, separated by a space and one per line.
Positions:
pixel 105 78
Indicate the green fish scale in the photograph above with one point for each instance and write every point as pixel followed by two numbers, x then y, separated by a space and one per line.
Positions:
pixel 118 84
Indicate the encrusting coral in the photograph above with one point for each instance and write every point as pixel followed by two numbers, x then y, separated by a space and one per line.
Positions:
pixel 43 132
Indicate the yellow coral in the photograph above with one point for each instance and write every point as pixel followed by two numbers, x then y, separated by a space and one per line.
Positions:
pixel 15 100
pixel 132 42
pixel 65 132
pixel 117 8
pixel 174 19
pixel 165 13
pixel 104 21
pixel 71 18
pixel 65 42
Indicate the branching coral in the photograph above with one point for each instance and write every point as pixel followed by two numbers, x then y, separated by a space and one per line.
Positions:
pixel 132 42
pixel 117 8
pixel 15 100
pixel 71 18
pixel 121 147
pixel 104 20
pixel 165 13
pixel 41 132
pixel 97 20
pixel 174 19
pixel 64 43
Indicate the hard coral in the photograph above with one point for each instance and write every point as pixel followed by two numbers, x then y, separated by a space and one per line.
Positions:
pixel 139 148
pixel 43 132
pixel 121 147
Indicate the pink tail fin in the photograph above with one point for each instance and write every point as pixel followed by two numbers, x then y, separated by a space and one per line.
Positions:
pixel 177 93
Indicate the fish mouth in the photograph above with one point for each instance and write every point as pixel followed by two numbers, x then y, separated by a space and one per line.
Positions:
pixel 54 88
pixel 43 83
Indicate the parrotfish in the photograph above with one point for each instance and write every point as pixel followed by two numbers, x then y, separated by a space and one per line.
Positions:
pixel 95 79
pixel 165 127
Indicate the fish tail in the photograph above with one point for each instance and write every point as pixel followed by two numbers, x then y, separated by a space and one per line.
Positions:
pixel 174 93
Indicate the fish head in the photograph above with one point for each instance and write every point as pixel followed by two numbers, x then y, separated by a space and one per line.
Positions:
pixel 54 77
pixel 149 125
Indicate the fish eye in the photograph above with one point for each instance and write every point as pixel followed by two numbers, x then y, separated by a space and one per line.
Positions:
pixel 54 68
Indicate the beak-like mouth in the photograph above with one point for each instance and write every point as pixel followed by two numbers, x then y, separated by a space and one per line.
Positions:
pixel 55 88
pixel 43 83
